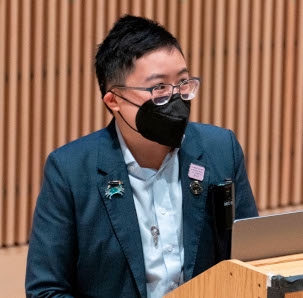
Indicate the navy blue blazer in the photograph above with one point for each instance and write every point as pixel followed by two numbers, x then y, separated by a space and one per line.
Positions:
pixel 86 245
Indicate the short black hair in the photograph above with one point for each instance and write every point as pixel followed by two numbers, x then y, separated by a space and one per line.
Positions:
pixel 130 38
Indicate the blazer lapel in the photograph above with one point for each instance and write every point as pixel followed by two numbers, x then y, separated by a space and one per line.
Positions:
pixel 120 207
pixel 193 210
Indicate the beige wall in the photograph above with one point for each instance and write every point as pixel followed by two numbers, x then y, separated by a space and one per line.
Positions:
pixel 249 54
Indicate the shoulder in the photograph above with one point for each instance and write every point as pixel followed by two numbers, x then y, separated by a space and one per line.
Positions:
pixel 82 144
pixel 214 143
pixel 84 151
pixel 207 135
pixel 90 142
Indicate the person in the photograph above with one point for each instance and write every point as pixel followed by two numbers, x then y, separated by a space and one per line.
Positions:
pixel 126 211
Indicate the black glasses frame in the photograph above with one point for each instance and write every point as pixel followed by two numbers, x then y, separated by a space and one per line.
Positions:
pixel 151 89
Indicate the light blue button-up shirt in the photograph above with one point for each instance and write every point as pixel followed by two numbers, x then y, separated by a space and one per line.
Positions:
pixel 158 200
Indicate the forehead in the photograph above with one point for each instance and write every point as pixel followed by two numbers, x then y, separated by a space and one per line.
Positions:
pixel 159 64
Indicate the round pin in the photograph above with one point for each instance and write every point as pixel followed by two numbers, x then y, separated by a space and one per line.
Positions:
pixel 196 188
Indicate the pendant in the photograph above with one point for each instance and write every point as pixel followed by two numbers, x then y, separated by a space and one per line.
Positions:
pixel 155 234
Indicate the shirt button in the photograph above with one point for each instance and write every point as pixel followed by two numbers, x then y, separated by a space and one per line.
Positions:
pixel 173 285
pixel 131 168
pixel 170 248
pixel 163 211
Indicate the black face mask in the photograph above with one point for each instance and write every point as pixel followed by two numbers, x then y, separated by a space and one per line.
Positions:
pixel 163 124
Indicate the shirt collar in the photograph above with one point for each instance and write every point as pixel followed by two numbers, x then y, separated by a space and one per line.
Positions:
pixel 134 168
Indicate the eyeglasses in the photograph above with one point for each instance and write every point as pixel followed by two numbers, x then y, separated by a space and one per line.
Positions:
pixel 162 93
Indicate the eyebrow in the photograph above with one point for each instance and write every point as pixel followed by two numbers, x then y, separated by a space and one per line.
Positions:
pixel 162 76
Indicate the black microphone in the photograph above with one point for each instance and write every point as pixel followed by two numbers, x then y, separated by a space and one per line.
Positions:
pixel 223 199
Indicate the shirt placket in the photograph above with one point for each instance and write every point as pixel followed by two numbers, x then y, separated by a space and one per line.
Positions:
pixel 168 227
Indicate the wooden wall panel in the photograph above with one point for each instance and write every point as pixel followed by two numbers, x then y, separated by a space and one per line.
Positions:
pixel 287 117
pixel 62 73
pixel 207 48
pixel 230 63
pixel 23 130
pixel 297 190
pixel 37 156
pixel 99 112
pixel 248 54
pixel 264 104
pixel 276 102
pixel 3 36
pixel 218 67
pixel 253 98
pixel 11 136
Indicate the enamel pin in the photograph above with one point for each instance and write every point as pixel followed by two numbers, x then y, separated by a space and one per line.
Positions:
pixel 196 172
pixel 196 187
pixel 114 187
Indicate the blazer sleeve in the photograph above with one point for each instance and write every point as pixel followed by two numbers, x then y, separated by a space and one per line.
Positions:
pixel 245 203
pixel 52 251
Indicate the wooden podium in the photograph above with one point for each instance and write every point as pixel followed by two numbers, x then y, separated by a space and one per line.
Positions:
pixel 271 278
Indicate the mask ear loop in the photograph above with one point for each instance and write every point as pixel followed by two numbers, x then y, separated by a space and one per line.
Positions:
pixel 121 114
pixel 127 123
pixel 125 99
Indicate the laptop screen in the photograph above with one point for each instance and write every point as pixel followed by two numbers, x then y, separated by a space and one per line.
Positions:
pixel 267 236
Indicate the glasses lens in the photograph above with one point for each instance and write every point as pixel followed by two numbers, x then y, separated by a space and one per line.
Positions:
pixel 189 89
pixel 161 94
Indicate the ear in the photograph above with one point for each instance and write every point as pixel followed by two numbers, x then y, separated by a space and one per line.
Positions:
pixel 110 100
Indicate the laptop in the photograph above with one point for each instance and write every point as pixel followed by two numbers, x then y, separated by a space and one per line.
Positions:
pixel 267 236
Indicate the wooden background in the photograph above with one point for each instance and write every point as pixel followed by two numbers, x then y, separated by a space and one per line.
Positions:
pixel 248 53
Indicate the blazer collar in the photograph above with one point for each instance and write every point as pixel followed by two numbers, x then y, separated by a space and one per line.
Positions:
pixel 121 208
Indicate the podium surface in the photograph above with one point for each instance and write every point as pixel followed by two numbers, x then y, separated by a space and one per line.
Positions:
pixel 255 279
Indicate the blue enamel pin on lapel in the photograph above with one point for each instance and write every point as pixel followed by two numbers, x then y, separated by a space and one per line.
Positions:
pixel 114 187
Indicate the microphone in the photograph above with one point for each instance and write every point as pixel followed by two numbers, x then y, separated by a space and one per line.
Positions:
pixel 223 199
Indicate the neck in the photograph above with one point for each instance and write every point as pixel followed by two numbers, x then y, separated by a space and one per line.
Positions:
pixel 148 154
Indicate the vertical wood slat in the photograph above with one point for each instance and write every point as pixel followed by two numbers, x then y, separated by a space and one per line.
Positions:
pixel 124 7
pixel 24 129
pixel 87 65
pixel 161 12
pixel 253 99
pixel 2 114
pixel 112 14
pixel 172 23
pixel 230 72
pixel 111 17
pixel 75 66
pixel 218 63
pixel 206 91
pixel 196 53
pixel 276 125
pixel 251 83
pixel 287 128
pixel 10 202
pixel 149 9
pixel 136 7
pixel 36 86
pixel 99 107
pixel 62 79
pixel 298 114
pixel 243 73
pixel 50 84
pixel 184 29
pixel 265 102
